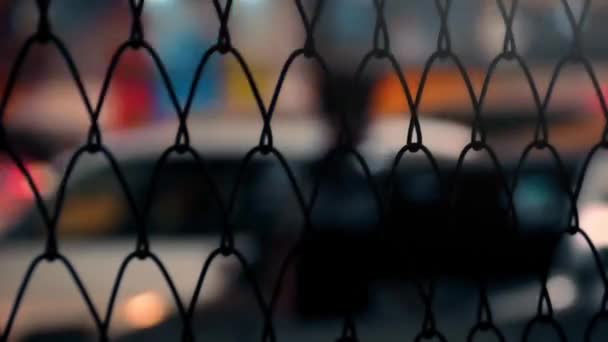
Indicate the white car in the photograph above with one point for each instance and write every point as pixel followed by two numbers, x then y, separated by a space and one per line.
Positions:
pixel 97 230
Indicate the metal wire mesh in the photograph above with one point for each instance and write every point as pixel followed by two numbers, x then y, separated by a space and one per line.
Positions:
pixel 413 144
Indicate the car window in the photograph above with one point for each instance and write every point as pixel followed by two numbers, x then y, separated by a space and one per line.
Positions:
pixel 183 202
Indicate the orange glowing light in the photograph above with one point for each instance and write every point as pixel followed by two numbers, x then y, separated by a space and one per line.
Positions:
pixel 145 310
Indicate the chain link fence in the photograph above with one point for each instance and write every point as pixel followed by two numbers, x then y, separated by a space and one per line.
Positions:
pixel 413 143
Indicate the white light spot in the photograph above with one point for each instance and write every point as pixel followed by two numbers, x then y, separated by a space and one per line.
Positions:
pixel 563 291
pixel 594 219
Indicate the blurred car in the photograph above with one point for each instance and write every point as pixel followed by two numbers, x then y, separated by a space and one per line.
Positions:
pixel 424 238
pixel 97 230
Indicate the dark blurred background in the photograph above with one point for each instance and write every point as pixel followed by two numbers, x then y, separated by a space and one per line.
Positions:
pixel 344 264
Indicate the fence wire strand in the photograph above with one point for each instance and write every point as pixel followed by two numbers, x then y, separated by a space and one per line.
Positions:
pixel 413 144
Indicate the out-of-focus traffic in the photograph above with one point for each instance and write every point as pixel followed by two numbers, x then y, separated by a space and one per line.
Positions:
pixel 46 121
